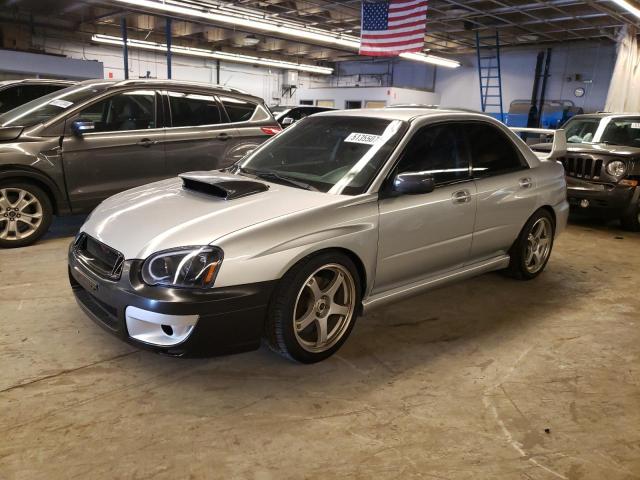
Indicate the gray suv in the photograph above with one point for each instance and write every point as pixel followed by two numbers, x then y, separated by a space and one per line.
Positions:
pixel 67 151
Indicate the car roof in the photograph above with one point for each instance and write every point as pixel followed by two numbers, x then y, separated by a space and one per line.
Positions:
pixel 47 81
pixel 606 115
pixel 406 114
pixel 156 83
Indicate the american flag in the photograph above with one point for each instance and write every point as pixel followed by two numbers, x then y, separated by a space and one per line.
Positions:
pixel 392 27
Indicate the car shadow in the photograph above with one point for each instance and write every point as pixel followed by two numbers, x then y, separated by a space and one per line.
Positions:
pixel 67 226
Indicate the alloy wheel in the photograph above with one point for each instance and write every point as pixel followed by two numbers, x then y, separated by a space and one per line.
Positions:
pixel 324 308
pixel 538 245
pixel 20 214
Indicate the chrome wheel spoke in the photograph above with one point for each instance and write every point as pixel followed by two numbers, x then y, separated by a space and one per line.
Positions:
pixel 324 308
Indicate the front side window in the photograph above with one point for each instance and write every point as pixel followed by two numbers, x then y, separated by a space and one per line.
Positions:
pixel 492 152
pixel 339 155
pixel 436 151
pixel 194 109
pixel 134 110
pixel 581 130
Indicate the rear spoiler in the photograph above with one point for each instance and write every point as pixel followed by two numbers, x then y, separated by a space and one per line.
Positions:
pixel 559 146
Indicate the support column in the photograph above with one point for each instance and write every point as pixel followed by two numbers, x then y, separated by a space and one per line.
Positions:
pixel 168 41
pixel 125 47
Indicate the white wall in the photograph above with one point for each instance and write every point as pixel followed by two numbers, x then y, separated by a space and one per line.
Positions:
pixel 260 81
pixel 389 95
pixel 594 61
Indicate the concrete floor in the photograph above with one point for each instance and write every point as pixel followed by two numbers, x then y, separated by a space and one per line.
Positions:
pixel 460 383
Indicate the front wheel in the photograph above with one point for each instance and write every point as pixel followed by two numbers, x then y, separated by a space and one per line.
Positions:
pixel 314 308
pixel 631 221
pixel 531 251
pixel 25 214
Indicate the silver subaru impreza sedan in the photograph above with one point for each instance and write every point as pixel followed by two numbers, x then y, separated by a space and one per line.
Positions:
pixel 340 214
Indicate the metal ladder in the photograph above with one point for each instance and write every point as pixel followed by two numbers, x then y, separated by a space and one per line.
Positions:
pixel 488 51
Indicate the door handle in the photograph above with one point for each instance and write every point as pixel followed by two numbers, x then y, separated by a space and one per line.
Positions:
pixel 146 142
pixel 525 183
pixel 224 137
pixel 461 196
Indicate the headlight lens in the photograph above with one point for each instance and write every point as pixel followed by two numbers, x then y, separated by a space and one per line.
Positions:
pixel 189 267
pixel 616 168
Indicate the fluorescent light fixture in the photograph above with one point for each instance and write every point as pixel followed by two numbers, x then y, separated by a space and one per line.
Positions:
pixel 234 17
pixel 628 6
pixel 201 52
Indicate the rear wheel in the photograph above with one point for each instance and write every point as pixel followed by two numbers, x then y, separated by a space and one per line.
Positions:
pixel 314 308
pixel 25 214
pixel 531 251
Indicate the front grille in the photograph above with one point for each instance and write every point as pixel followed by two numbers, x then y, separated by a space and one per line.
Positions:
pixel 582 167
pixel 98 257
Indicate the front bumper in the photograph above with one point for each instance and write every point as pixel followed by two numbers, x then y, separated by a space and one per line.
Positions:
pixel 207 322
pixel 608 199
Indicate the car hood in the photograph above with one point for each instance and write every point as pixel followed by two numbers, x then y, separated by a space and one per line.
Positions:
pixel 592 148
pixel 165 215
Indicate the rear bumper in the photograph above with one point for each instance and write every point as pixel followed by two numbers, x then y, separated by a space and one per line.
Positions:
pixel 607 199
pixel 206 322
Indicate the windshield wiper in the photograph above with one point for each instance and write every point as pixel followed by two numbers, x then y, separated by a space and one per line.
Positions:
pixel 282 178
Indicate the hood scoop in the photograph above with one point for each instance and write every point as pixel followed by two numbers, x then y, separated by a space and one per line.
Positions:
pixel 225 186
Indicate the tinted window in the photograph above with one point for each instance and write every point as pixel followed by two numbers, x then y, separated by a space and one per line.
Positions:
pixel 13 97
pixel 193 109
pixel 51 105
pixel 334 154
pixel 622 131
pixel 436 150
pixel 492 152
pixel 133 110
pixel 238 110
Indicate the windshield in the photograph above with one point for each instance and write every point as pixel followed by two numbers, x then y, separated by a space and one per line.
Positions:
pixel 615 131
pixel 49 106
pixel 339 155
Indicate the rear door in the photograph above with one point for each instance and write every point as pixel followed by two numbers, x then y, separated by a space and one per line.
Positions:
pixel 199 135
pixel 124 151
pixel 506 190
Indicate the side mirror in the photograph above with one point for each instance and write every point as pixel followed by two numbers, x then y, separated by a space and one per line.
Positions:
pixel 413 183
pixel 287 121
pixel 80 126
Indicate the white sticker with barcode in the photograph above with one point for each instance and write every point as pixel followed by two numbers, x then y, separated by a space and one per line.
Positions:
pixel 635 125
pixel 364 138
pixel 60 103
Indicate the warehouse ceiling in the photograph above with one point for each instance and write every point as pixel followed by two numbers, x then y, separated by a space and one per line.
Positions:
pixel 451 27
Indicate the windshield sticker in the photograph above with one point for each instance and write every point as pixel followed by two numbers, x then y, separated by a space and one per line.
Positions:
pixel 635 125
pixel 60 103
pixel 363 138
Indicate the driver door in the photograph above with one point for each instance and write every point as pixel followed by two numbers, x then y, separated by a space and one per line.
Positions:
pixel 420 235
pixel 124 150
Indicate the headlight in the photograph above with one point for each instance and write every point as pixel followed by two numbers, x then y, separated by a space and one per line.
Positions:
pixel 616 168
pixel 188 267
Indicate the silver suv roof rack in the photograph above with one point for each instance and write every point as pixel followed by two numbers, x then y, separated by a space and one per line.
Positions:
pixel 143 81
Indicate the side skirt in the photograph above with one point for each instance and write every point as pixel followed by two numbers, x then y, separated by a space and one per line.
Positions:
pixel 421 286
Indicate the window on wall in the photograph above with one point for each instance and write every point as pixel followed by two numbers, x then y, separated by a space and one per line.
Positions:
pixel 375 104
pixel 325 103
pixel 133 110
pixel 306 102
pixel 436 150
pixel 351 104
pixel 193 109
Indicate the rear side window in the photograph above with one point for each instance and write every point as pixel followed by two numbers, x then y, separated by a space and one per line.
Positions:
pixel 194 109
pixel 242 110
pixel 436 150
pixel 492 153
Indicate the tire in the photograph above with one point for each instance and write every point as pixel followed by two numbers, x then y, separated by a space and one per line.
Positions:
pixel 304 301
pixel 523 264
pixel 631 221
pixel 25 213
